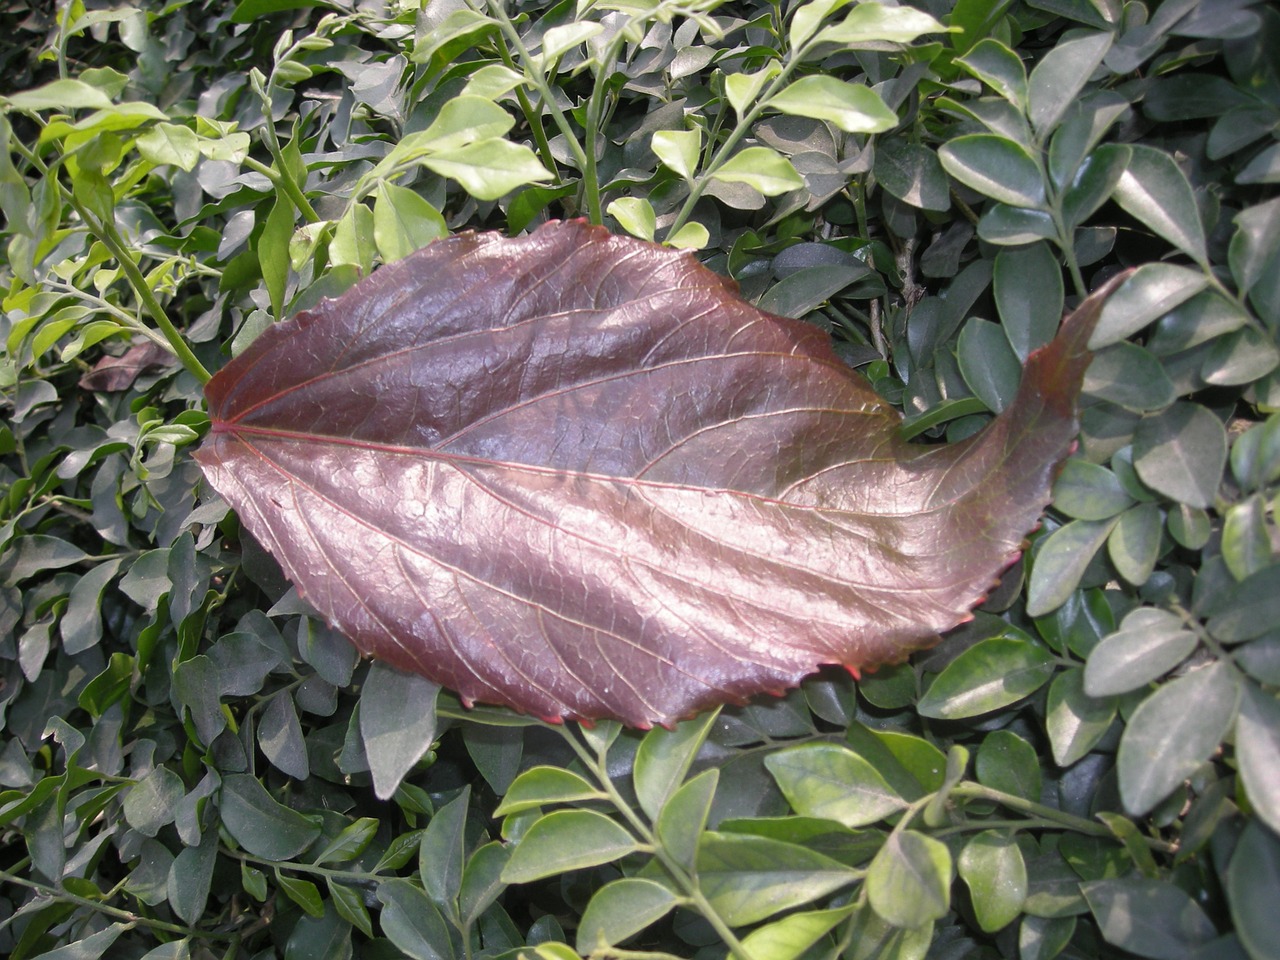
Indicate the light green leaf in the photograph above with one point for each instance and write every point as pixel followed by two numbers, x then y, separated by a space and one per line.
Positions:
pixel 684 817
pixel 635 215
pixel 441 853
pixel 412 922
pixel 692 236
pixel 1165 741
pixel 493 80
pixel 909 881
pixel 543 785
pixel 663 760
pixel 874 22
pixel 61 95
pixel 1061 561
pixel 992 867
pixel 1149 643
pixel 1258 752
pixel 1086 491
pixel 403 222
pixel 1149 292
pixel 1074 720
pixel 170 143
pixel 788 938
pixel 559 40
pixel 621 909
pixel 991 674
pixel 762 168
pixel 489 169
pixel 1152 918
pixel 463 120
pixel 1059 77
pixel 1000 68
pixel 831 781
pixel 742 89
pixel 996 167
pixel 854 108
pixel 353 241
pixel 1157 193
pixel 567 840
pixel 678 149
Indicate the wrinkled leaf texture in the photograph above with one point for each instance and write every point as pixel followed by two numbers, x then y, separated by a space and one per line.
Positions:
pixel 575 474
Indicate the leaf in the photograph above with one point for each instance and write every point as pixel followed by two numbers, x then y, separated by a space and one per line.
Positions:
pixel 441 854
pixel 999 67
pixel 1258 752
pixel 873 22
pixel 762 168
pixel 909 881
pixel 489 169
pixel 1155 191
pixel 378 444
pixel 747 878
pixel 989 675
pixel 1027 285
pixel 1149 643
pixel 991 865
pixel 663 760
pixel 1075 721
pixel 684 817
pixel 988 364
pixel 397 724
pixel 853 107
pixel 1149 292
pixel 830 781
pixel 1181 453
pixel 635 215
pixel 61 95
pixel 1058 78
pixel 1165 741
pixel 913 174
pixel 403 222
pixel 1252 879
pixel 1152 918
pixel 412 922
pixel 1008 763
pixel 567 840
pixel 545 785
pixel 996 167
pixel 621 909
pixel 261 825
pixel 678 149
pixel 791 936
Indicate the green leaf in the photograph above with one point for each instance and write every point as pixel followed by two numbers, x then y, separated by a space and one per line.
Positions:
pixel 678 149
pixel 663 760
pixel 1134 543
pixel 464 120
pixel 1043 938
pixel 692 236
pixel 621 909
pixel 36 553
pixel 1059 77
pixel 1181 453
pixel 1086 491
pixel 482 880
pixel 190 876
pixel 489 169
pixel 831 781
pixel 1252 879
pixel 799 293
pixel 1258 752
pixel 61 95
pixel 790 937
pixel 874 22
pixel 1165 741
pixel 353 242
pixel 988 364
pixel 1130 377
pixel 1250 610
pixel 992 867
pixel 1152 918
pixel 1000 68
pixel 302 892
pixel 562 39
pixel 742 89
pixel 854 108
pixel 397 724
pixel 412 922
pixel 567 840
pixel 1008 763
pixel 151 802
pixel 996 167
pixel 1149 643
pixel 81 623
pixel 1157 193
pixel 684 817
pixel 635 215
pixel 1094 183
pixel 403 222
pixel 1074 720
pixel 747 879
pixel 442 852
pixel 909 881
pixel 1013 226
pixel 1149 292
pixel 492 81
pixel 991 674
pixel 280 736
pixel 1246 542
pixel 539 786
pixel 170 143
pixel 261 825
pixel 1027 285
pixel 761 168
pixel 88 948
pixel 349 843
pixel 912 173
pixel 1254 255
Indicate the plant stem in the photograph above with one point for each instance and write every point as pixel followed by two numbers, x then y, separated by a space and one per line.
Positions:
pixel 533 116
pixel 595 111
pixel 126 916
pixel 282 175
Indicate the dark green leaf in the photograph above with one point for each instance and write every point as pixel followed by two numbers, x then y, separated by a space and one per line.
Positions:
pixel 302 892
pixel 663 760
pixel 349 843
pixel 1015 226
pixel 1165 742
pixel 350 906
pixel 190 876
pixel 261 825
pixel 1027 283
pixel 1149 292
pixel 397 723
pixel 1058 78
pixel 1252 608
pixel 1134 543
pixel 1086 491
pixel 1181 453
pixel 1008 763
pixel 999 67
pixel 412 922
pixel 1156 192
pixel 1246 542
pixel 1258 752
pixel 684 817
pixel 1252 879
pixel 442 851
pixel 988 363
pixel 150 803
pixel 482 880
pixel 1151 918
pixel 280 736
pixel 1074 720
pixel 1130 377
pixel 912 173
pixel 1149 643
pixel 996 167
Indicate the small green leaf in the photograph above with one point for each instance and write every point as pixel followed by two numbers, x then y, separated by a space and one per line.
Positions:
pixel 1014 226
pixel 1094 182
pixel 635 215
pixel 489 169
pixel 1134 543
pixel 1130 377
pixel 442 851
pixel 540 786
pixel 350 842
pixel 874 22
pixel 302 892
pixel 909 881
pixel 678 149
pixel 1074 720
pixel 1252 879
pixel 1059 76
pixel 1027 285
pixel 562 39
pixel 1149 643
pixel 988 364
pixel 412 922
pixel 790 937
pixel 912 173
pixel 151 802
pixel 1165 741
pixel 1000 68
pixel 992 867
pixel 1157 193
pixel 464 120
pixel 830 781
pixel 1153 918
pixel 482 880
pixel 692 236
pixel 621 909
pixel 1181 453
pixel 397 724
pixel 742 89
pixel 190 876
pixel 261 825
pixel 353 242
pixel 996 167
pixel 991 674
pixel 1246 541
pixel 1008 763
pixel 663 760
pixel 852 107
pixel 567 840
pixel 1086 491
pixel 280 736
pixel 684 817
pixel 403 222
pixel 762 168
pixel 1258 752
pixel 1149 292
pixel 1251 610
pixel 61 95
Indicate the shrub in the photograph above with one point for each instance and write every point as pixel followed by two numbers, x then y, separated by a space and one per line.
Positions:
pixel 193 762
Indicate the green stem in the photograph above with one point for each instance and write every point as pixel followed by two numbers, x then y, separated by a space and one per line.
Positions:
pixel 595 111
pixel 533 115
pixel 126 916
pixel 976 791
pixel 282 175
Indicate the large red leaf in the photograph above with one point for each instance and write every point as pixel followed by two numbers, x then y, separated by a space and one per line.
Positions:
pixel 575 474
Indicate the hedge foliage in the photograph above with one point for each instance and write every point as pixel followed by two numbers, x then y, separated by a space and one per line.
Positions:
pixel 191 762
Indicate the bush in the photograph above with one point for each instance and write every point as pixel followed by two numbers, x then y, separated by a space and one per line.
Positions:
pixel 192 762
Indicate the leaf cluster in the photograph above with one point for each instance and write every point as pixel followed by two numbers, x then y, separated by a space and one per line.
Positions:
pixel 194 765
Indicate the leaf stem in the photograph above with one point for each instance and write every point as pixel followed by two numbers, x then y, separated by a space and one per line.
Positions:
pixel 282 175
pixel 595 111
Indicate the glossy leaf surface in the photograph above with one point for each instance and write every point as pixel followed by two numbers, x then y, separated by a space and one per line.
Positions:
pixel 576 474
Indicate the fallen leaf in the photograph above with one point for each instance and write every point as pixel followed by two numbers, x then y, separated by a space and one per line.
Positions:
pixel 575 474
pixel 112 374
